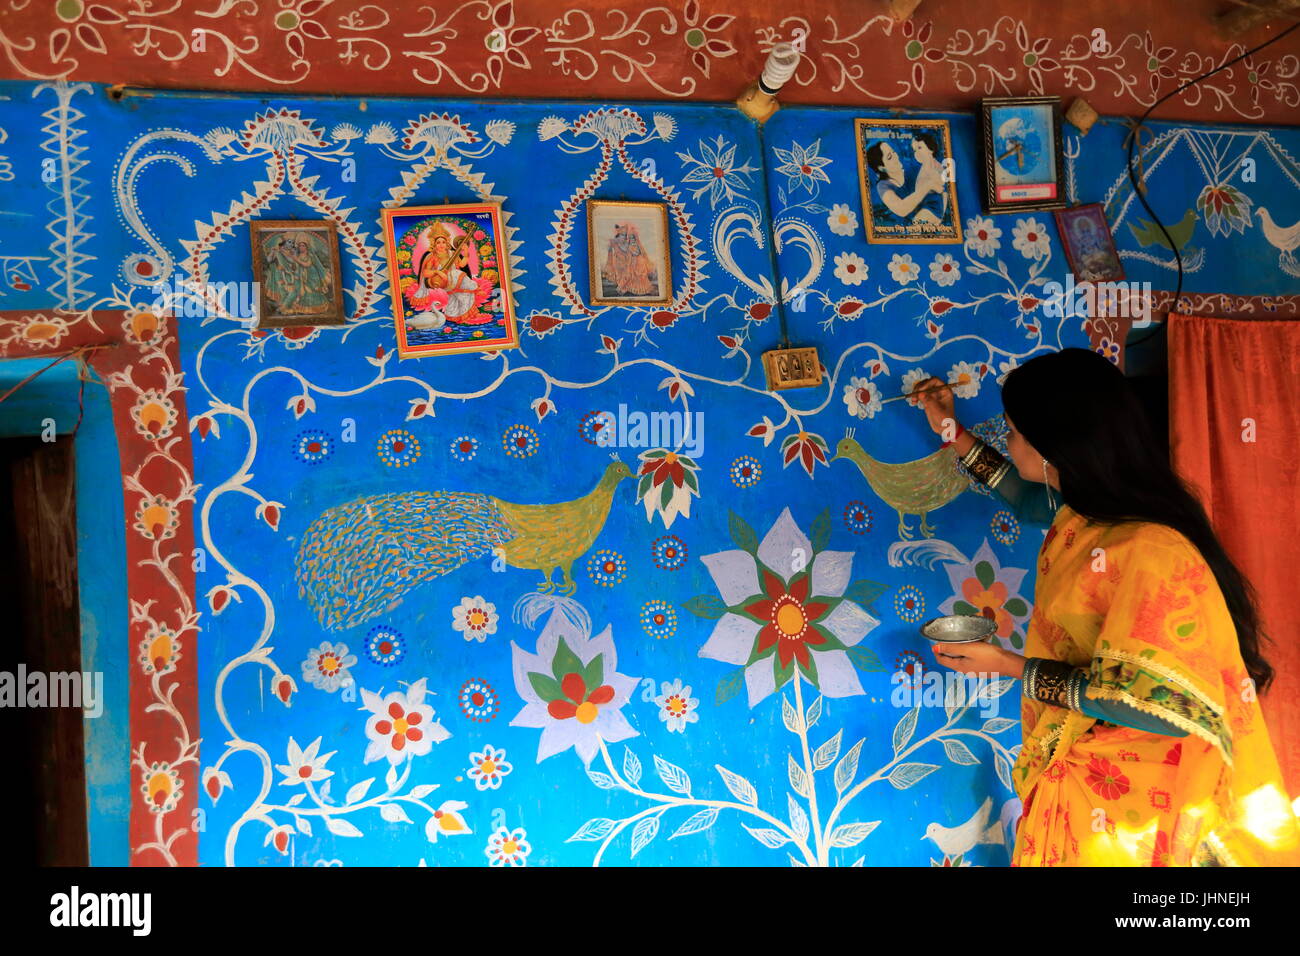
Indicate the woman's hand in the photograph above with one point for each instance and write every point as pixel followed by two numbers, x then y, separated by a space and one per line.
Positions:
pixel 938 405
pixel 980 657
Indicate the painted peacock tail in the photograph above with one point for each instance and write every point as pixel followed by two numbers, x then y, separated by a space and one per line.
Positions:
pixel 357 558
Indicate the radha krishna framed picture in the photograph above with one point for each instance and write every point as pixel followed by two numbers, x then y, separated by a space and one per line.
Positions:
pixel 627 253
pixel 449 271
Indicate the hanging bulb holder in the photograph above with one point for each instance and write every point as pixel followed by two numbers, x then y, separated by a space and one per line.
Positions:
pixel 758 102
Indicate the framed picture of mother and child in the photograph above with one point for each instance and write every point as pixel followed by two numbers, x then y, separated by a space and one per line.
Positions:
pixel 450 275
pixel 906 171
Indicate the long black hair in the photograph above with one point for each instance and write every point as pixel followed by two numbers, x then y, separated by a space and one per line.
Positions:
pixel 1081 414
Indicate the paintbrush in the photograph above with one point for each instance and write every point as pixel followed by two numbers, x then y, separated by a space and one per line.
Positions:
pixel 922 391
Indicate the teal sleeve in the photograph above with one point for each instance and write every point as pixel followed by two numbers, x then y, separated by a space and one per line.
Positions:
pixel 1117 712
pixel 1056 682
pixel 1028 499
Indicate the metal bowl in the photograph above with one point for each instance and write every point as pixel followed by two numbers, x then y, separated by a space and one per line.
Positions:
pixel 959 628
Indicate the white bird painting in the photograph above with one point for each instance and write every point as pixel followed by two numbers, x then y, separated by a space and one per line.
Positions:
pixel 1283 238
pixel 959 840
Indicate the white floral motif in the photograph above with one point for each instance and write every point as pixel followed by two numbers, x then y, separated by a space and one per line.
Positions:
pixel 850 268
pixel 944 269
pixel 842 220
pixel 1030 239
pixel 903 269
pixel 677 707
pixel 982 236
pixel 862 397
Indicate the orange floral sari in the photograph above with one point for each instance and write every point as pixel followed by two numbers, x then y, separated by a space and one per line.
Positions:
pixel 1137 607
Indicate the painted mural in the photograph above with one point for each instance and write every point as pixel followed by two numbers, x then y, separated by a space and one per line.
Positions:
pixel 1122 58
pixel 602 599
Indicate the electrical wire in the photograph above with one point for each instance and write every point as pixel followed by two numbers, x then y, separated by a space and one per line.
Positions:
pixel 1178 258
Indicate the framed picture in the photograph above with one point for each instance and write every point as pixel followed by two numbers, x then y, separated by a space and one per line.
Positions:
pixel 627 253
pixel 296 268
pixel 1089 246
pixel 450 273
pixel 905 170
pixel 1023 162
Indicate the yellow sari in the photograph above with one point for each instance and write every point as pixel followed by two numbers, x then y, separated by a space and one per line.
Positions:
pixel 1138 608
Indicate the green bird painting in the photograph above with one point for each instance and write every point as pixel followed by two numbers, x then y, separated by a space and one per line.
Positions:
pixel 359 558
pixel 909 487
pixel 1148 233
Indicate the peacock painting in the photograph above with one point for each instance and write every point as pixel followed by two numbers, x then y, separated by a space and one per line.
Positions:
pixel 909 487
pixel 360 557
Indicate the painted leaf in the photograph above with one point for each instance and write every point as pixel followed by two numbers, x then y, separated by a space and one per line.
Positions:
pixel 423 790
pixel 798 818
pixel 742 533
pixel 393 813
pixel 358 791
pixel 740 788
pixel 595 829
pixel 851 834
pixel 904 729
pixel 847 768
pixel 673 776
pixel 729 686
pixel 631 766
pixel 769 838
pixel 984 572
pixel 825 755
pixel 304 827
pixel 341 827
pixel 864 592
pixel 798 779
pixel 565 662
pixel 864 659
pixel 821 531
pixel 1003 766
pixel 814 713
pixel 697 822
pixel 547 688
pixel 995 725
pixel 790 716
pixel 1017 607
pixel 959 753
pixel 644 831
pixel 593 675
pixel 602 780
pixel 909 774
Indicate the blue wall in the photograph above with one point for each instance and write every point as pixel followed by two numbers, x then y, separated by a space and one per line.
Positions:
pixel 182 162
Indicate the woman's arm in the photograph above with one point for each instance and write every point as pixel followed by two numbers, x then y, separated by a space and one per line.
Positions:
pixel 1056 682
pixel 903 207
pixel 1028 499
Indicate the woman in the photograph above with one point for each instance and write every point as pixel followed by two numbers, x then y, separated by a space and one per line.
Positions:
pixel 1143 739
pixel 627 264
pixel 919 204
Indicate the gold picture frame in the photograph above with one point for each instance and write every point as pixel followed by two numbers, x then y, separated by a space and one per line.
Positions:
pixel 897 155
pixel 629 261
pixel 449 269
pixel 296 269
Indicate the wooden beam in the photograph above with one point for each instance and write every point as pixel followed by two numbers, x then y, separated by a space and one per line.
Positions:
pixel 1248 15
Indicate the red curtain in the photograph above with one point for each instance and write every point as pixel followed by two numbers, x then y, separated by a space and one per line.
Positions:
pixel 1234 422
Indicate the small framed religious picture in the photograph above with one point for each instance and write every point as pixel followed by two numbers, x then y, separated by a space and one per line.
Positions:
pixel 1024 167
pixel 449 268
pixel 1089 246
pixel 627 253
pixel 296 269
pixel 908 178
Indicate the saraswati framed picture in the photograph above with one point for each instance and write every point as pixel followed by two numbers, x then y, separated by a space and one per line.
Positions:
pixel 450 274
